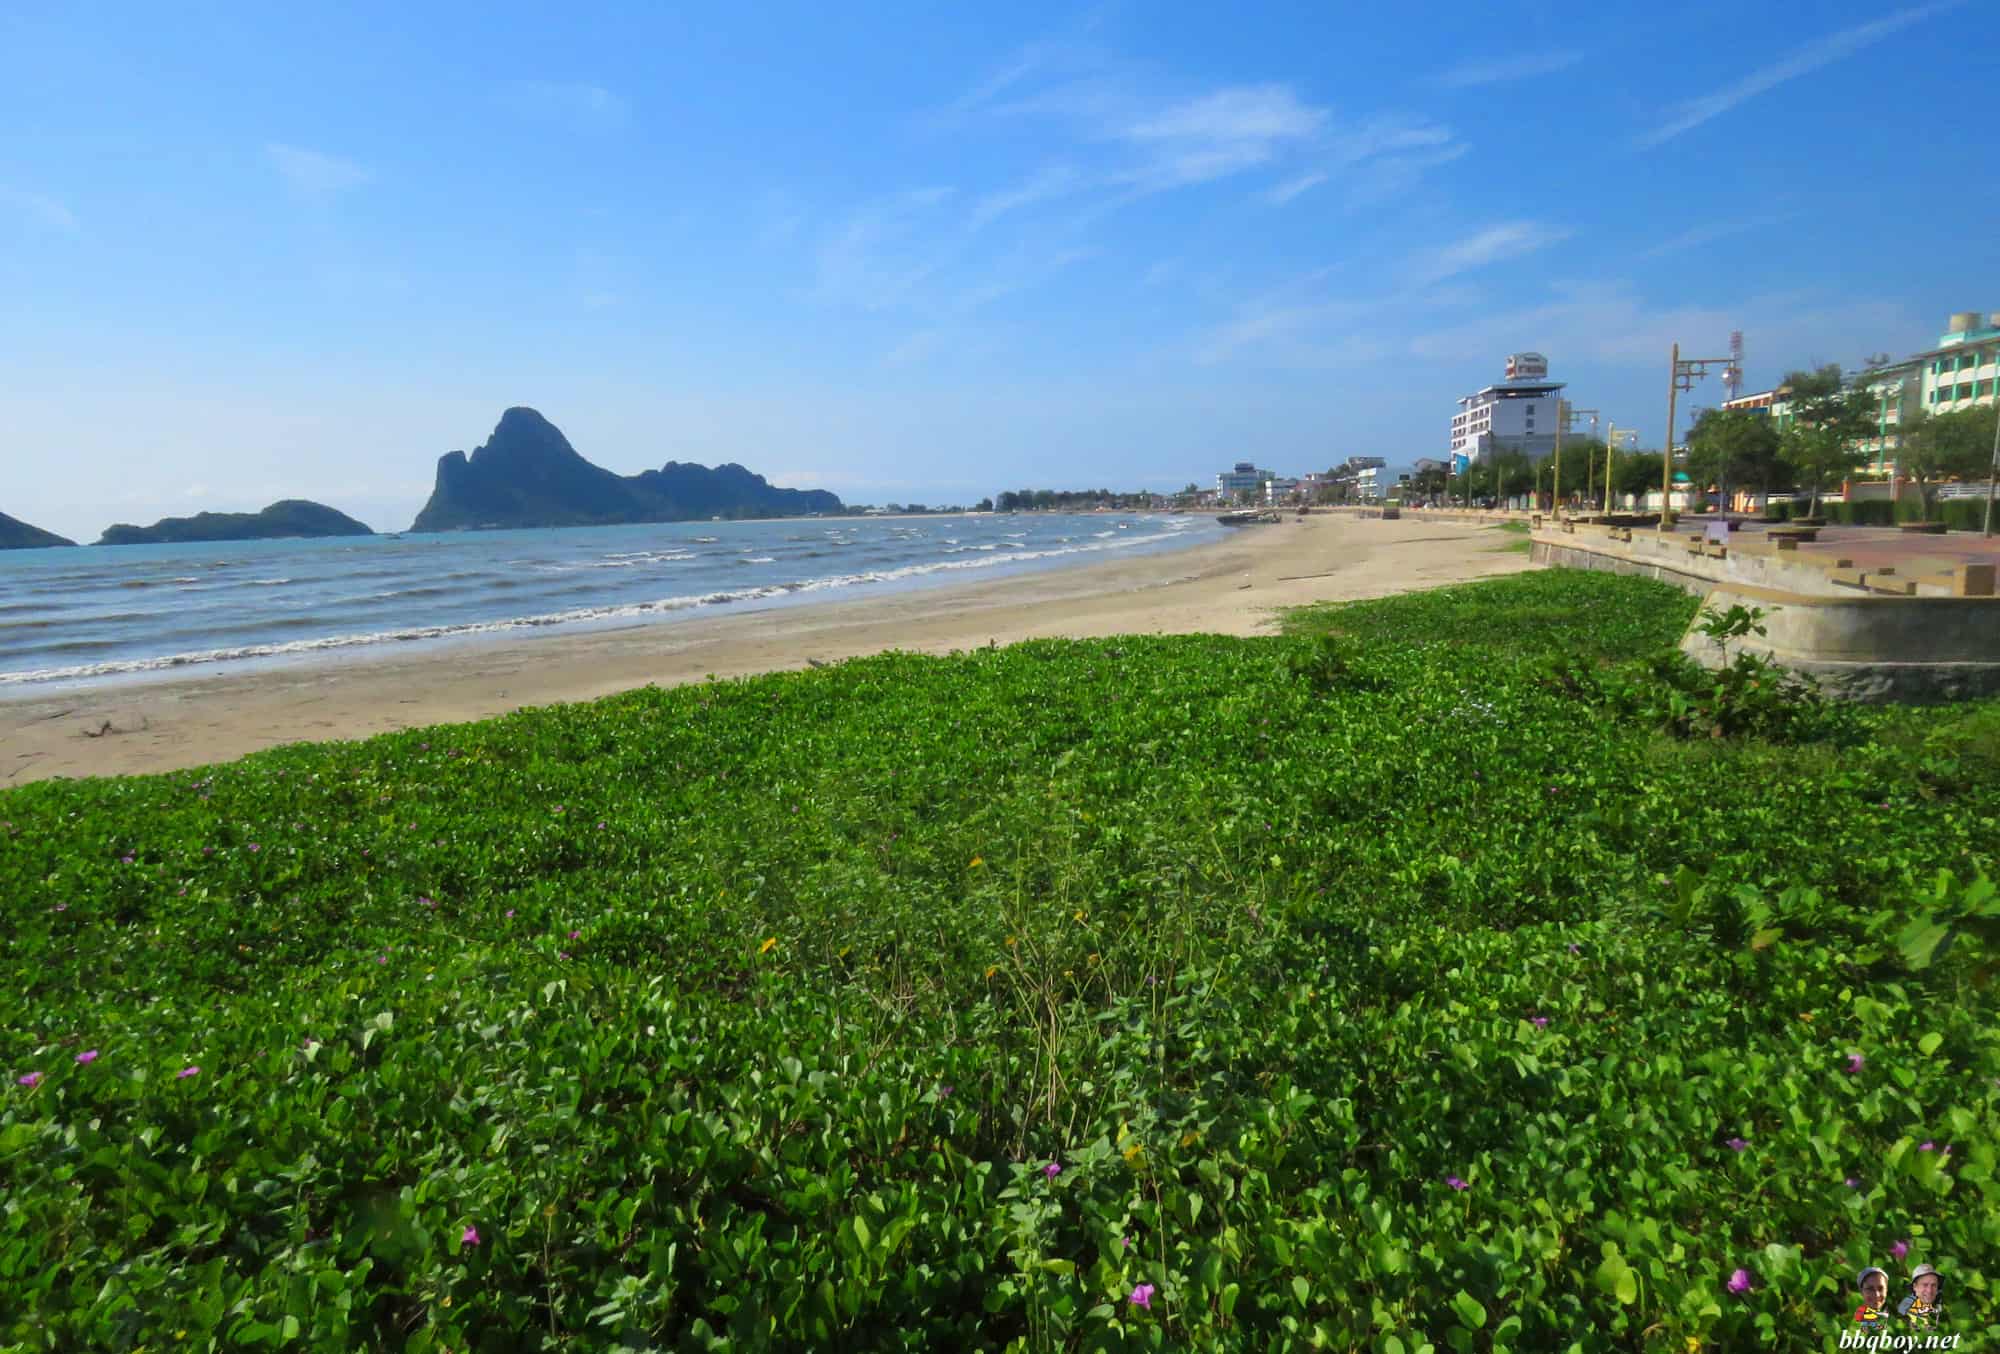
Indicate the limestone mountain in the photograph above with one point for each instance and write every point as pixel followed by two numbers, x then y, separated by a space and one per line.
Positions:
pixel 290 517
pixel 18 535
pixel 528 475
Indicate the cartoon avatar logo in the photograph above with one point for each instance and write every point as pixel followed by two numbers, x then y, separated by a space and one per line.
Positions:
pixel 1873 1312
pixel 1923 1308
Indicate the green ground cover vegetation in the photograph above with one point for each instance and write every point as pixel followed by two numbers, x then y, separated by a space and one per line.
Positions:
pixel 1432 976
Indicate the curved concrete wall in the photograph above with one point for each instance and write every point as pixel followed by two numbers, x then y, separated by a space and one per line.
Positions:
pixel 1859 647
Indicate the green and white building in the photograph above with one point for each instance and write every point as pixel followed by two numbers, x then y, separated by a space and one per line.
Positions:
pixel 1960 372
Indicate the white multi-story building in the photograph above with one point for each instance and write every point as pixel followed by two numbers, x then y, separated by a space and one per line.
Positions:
pixel 1517 413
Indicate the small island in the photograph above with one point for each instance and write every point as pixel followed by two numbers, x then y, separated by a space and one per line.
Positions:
pixel 287 518
pixel 528 475
pixel 18 535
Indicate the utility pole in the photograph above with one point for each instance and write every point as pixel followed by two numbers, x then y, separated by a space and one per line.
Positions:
pixel 1685 374
pixel 1993 471
pixel 1562 425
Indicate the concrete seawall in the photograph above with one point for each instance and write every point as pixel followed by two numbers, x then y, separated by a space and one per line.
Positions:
pixel 1858 645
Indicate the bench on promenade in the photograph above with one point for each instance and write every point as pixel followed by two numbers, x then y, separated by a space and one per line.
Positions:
pixel 1790 538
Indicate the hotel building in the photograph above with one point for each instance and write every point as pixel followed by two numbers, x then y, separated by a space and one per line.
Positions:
pixel 1517 413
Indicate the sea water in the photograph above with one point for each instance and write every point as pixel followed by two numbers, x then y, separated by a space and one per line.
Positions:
pixel 105 612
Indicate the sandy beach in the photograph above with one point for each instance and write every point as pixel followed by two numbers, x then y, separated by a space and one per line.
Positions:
pixel 1235 586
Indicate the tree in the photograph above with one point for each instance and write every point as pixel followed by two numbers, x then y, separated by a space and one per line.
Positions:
pixel 1737 446
pixel 1828 421
pixel 984 505
pixel 1934 447
pixel 1636 472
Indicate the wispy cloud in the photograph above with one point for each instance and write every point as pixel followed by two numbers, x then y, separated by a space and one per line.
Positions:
pixel 312 173
pixel 1708 234
pixel 1823 52
pixel 1508 240
pixel 38 207
pixel 1051 183
pixel 1493 70
pixel 1216 135
pixel 883 251
pixel 1294 186
pixel 583 106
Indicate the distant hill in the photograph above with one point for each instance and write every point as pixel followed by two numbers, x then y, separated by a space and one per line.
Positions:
pixel 16 535
pixel 528 475
pixel 286 518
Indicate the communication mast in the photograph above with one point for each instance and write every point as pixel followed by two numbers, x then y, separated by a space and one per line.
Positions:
pixel 1732 375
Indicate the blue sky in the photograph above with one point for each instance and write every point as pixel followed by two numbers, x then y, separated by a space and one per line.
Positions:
pixel 919 252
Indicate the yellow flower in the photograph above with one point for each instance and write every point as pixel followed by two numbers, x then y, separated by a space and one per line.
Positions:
pixel 1079 914
pixel 768 946
pixel 1806 1016
pixel 977 861
pixel 447 1300
pixel 1011 942
pixel 992 969
pixel 1190 1138
pixel 1093 960
pixel 1133 1153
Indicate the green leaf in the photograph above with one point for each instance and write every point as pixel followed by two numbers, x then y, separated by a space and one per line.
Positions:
pixel 1929 1043
pixel 1470 1312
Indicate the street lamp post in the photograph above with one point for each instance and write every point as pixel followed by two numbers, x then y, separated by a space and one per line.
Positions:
pixel 1993 471
pixel 1564 414
pixel 1686 371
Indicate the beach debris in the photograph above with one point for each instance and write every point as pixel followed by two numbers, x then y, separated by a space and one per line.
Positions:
pixel 108 727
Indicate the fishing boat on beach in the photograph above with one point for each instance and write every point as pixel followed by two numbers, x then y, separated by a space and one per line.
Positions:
pixel 1246 517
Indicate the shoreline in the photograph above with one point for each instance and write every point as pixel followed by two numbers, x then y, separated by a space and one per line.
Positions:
pixel 1233 586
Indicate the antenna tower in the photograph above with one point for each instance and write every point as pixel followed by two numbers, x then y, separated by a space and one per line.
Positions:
pixel 1732 375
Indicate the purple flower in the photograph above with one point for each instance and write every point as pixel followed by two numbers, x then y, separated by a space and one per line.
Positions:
pixel 1127 1242
pixel 1927 1146
pixel 1539 1022
pixel 1854 1182
pixel 470 1236
pixel 30 1080
pixel 600 822
pixel 1456 1183
pixel 255 847
pixel 1575 948
pixel 427 902
pixel 559 808
pixel 562 954
pixel 574 934
pixel 1739 1282
pixel 510 911
pixel 1142 1296
pixel 1855 1062
pixel 186 1072
pixel 89 1055
pixel 944 1091
pixel 381 958
pixel 208 850
pixel 1052 1170
pixel 1736 1144
pixel 62 907
pixel 126 860
pixel 1900 1249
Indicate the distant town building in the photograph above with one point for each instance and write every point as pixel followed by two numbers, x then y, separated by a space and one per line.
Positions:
pixel 1246 478
pixel 1516 413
